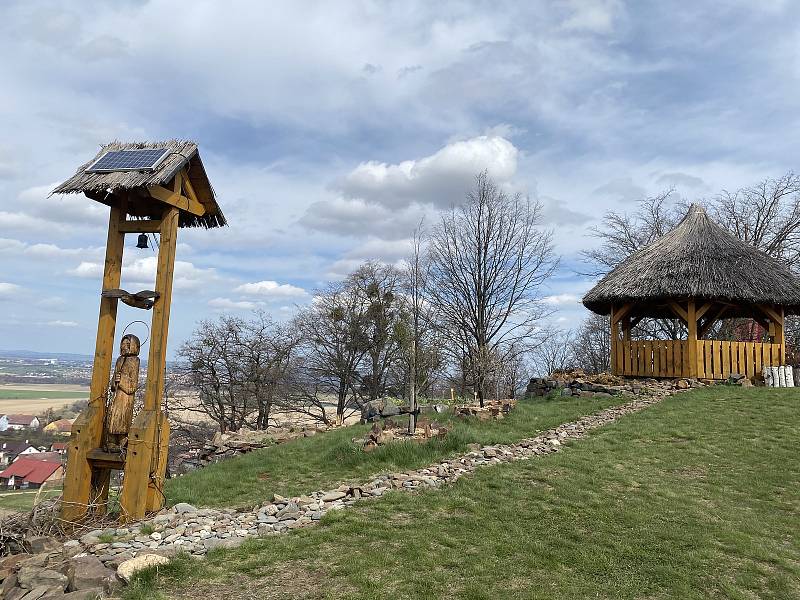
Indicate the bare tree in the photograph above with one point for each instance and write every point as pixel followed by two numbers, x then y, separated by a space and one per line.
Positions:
pixel 238 367
pixel 377 287
pixel 555 352
pixel 335 340
pixel 488 261
pixel 593 345
pixel 766 215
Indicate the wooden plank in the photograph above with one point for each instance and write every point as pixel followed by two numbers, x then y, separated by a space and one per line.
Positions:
pixel 759 353
pixel 664 359
pixel 691 344
pixel 141 226
pixel 726 360
pixel 87 430
pixel 709 371
pixel 670 364
pixel 620 366
pixel 176 200
pixel 648 358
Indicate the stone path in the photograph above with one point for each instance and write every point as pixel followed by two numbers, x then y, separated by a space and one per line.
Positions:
pixel 188 529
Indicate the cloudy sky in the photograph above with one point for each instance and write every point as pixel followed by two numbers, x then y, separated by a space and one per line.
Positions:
pixel 329 129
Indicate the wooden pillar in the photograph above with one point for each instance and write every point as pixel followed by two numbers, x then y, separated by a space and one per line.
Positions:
pixel 691 324
pixel 614 341
pixel 146 462
pixel 80 487
pixel 780 335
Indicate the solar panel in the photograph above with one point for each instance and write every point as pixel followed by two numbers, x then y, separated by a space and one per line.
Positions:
pixel 129 160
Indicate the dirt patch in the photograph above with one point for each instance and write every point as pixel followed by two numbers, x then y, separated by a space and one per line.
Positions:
pixel 284 581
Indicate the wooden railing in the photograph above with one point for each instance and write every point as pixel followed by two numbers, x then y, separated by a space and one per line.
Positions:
pixel 715 359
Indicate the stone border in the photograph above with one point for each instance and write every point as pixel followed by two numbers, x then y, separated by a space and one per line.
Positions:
pixel 184 528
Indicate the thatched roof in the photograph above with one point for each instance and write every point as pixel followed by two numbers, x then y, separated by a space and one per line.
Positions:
pixel 698 259
pixel 97 186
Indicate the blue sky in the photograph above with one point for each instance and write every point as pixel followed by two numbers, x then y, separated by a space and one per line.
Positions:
pixel 329 129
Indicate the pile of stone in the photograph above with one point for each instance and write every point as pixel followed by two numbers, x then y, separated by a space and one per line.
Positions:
pixel 388 431
pixel 602 386
pixel 53 570
pixel 227 445
pixel 491 409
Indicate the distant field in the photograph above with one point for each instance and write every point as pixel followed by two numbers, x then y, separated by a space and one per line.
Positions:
pixel 12 394
pixel 34 399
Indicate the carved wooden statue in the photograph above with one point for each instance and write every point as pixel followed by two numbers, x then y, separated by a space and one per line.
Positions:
pixel 123 386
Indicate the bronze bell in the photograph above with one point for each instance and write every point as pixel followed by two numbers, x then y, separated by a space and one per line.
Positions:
pixel 142 243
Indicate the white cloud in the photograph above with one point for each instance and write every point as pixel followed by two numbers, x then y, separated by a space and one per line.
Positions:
pixel 58 323
pixel 9 290
pixel 228 304
pixel 561 299
pixel 440 179
pixel 271 290
pixel 142 272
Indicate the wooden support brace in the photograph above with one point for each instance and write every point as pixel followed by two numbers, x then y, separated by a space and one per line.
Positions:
pixel 678 310
pixel 177 200
pixel 140 226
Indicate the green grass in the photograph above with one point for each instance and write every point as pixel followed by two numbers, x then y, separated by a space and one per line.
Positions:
pixel 6 394
pixel 309 464
pixel 696 497
pixel 23 500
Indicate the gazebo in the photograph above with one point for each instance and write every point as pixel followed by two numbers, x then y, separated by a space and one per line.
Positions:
pixel 698 273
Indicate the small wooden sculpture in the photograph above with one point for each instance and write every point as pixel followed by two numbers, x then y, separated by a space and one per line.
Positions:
pixel 123 386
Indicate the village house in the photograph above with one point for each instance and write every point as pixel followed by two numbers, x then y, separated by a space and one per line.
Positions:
pixel 19 422
pixel 59 427
pixel 60 447
pixel 29 473
pixel 9 451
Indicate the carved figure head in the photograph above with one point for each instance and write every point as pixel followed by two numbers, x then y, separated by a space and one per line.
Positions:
pixel 129 345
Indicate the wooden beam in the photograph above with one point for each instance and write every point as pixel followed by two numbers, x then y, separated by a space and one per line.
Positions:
pixel 614 341
pixel 620 314
pixel 691 322
pixel 177 200
pixel 704 309
pixel 715 316
pixel 141 226
pixel 80 486
pixel 776 317
pixel 187 183
pixel 144 472
pixel 678 310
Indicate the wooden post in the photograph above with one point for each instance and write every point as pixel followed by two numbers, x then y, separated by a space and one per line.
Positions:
pixel 614 365
pixel 146 463
pixel 80 486
pixel 781 335
pixel 691 323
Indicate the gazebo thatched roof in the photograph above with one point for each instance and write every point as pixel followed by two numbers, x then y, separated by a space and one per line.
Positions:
pixel 183 153
pixel 697 260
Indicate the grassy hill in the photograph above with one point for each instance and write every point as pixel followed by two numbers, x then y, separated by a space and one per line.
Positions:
pixel 309 464
pixel 696 497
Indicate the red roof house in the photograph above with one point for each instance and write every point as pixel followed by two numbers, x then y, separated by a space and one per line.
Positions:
pixel 30 473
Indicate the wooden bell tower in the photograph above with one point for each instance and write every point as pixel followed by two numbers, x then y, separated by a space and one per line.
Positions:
pixel 152 189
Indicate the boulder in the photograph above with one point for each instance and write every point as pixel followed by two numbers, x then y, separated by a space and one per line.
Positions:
pixel 182 508
pixel 42 543
pixel 92 594
pixel 30 577
pixel 333 496
pixel 129 568
pixel 87 572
